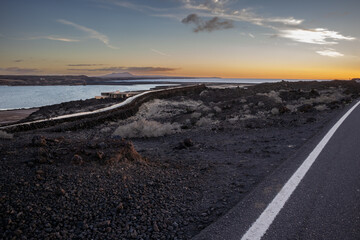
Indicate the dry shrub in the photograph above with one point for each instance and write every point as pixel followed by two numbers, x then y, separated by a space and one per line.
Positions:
pixel 326 97
pixel 196 115
pixel 5 135
pixel 160 108
pixel 273 95
pixel 247 116
pixel 275 111
pixel 127 152
pixel 145 128
pixel 217 109
pixel 292 108
pixel 204 93
pixel 205 121
pixel 321 107
pixel 233 119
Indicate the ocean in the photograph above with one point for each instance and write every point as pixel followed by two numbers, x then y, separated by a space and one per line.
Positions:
pixel 16 97
pixel 216 80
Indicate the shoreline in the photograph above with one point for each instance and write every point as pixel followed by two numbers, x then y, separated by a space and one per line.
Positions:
pixel 211 85
pixel 15 115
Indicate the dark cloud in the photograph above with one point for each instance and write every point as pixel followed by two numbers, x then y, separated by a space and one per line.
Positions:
pixel 150 69
pixel 192 18
pixel 18 60
pixel 17 70
pixel 130 69
pixel 84 65
pixel 213 24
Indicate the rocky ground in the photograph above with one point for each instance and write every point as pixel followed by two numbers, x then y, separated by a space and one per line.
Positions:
pixel 185 162
pixel 72 107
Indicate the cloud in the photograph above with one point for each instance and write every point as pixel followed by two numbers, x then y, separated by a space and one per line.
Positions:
pixel 217 8
pixel 285 27
pixel 84 65
pixel 213 24
pixel 192 18
pixel 18 60
pixel 159 52
pixel 17 70
pixel 136 7
pixel 330 53
pixel 61 39
pixel 91 32
pixel 54 38
pixel 130 69
pixel 320 36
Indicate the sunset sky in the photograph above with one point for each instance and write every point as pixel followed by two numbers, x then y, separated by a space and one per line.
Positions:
pixel 210 38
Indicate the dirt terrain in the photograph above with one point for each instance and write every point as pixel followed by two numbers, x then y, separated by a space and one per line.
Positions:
pixel 12 116
pixel 165 173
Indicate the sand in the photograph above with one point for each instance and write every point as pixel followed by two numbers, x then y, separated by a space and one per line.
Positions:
pixel 12 116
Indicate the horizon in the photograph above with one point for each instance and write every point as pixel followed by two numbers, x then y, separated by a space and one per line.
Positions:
pixel 186 38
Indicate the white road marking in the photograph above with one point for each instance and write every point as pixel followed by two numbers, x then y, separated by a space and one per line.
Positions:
pixel 262 224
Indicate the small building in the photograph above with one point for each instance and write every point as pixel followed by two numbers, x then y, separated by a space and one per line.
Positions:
pixel 116 94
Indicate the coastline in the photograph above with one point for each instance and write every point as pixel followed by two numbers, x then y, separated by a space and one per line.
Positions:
pixel 15 115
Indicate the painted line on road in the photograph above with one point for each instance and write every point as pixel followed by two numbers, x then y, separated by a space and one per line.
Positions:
pixel 262 224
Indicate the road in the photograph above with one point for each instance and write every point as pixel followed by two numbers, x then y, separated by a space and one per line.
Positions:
pixel 314 195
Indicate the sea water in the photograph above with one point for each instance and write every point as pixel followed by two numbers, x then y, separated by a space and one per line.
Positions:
pixel 215 80
pixel 15 97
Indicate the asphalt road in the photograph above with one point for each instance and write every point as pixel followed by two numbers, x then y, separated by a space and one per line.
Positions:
pixel 323 203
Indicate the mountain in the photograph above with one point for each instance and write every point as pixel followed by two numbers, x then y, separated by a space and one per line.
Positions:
pixel 119 75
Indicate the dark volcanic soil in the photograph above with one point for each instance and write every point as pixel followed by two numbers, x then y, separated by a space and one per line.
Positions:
pixel 71 107
pixel 210 150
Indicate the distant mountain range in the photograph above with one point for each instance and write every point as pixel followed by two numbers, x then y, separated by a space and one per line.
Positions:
pixel 119 75
pixel 127 75
pixel 48 80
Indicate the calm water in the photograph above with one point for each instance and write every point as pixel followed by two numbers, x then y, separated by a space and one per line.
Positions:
pixel 13 97
pixel 216 80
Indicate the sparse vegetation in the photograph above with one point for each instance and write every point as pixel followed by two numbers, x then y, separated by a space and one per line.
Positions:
pixel 145 128
pixel 205 121
pixel 5 135
pixel 273 95
pixel 321 107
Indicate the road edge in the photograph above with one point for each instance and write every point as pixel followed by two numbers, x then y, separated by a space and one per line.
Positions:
pixel 232 225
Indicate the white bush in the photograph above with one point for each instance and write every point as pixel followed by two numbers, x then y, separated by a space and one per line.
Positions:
pixel 204 93
pixel 293 108
pixel 160 108
pixel 196 115
pixel 233 119
pixel 205 121
pixel 321 108
pixel 273 95
pixel 247 116
pixel 326 97
pixel 144 128
pixel 275 111
pixel 5 135
pixel 217 109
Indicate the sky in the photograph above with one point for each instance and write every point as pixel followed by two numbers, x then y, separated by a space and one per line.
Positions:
pixel 195 38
